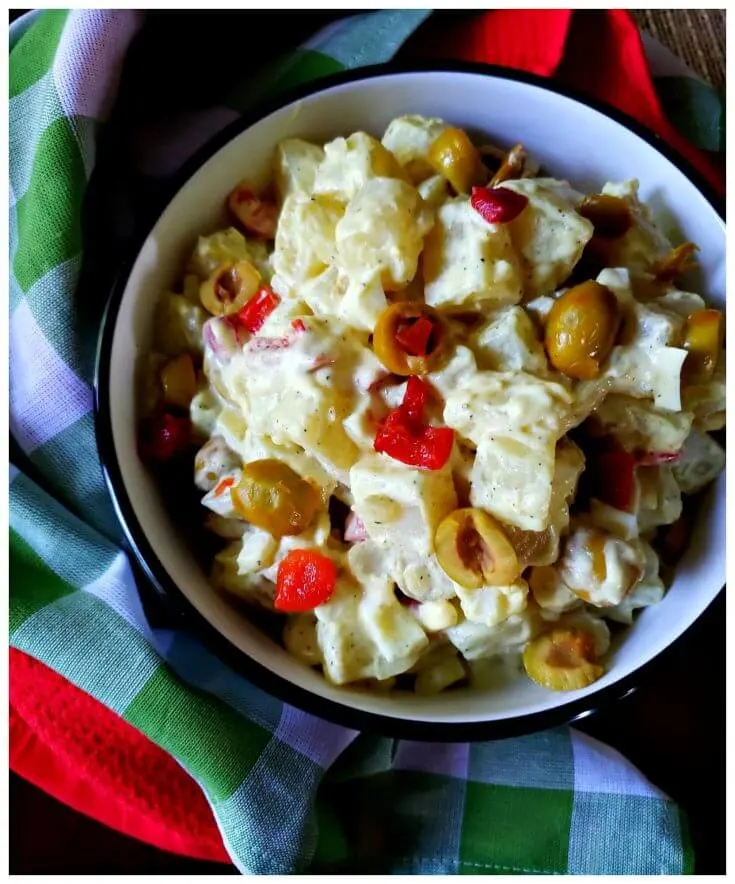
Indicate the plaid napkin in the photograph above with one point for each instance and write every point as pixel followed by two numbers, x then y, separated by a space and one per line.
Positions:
pixel 289 792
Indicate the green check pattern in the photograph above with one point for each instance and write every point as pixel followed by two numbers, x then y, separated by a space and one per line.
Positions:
pixel 290 793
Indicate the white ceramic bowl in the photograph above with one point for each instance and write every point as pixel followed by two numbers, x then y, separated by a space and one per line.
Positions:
pixel 572 139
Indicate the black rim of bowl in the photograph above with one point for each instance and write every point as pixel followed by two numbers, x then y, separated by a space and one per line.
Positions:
pixel 338 712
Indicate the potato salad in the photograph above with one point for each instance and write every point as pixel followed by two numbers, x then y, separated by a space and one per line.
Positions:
pixel 442 408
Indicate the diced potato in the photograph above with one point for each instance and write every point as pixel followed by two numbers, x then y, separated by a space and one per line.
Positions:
pixel 614 521
pixel 509 341
pixel 228 529
pixel 324 292
pixel 550 591
pixel 512 480
pixel 365 633
pixel 350 163
pixel 707 400
pixel 461 365
pixel 494 403
pixel 357 302
pixel 218 498
pixel 299 639
pixel 702 460
pixel 491 605
pixel 434 190
pixel 439 677
pixel 539 308
pixel 258 551
pixel 304 239
pixel 295 166
pixel 638 425
pixel 475 640
pixel 253 588
pixel 383 231
pixel 178 325
pixel 649 591
pixel 644 243
pixel 650 364
pixel 203 412
pixel 549 235
pixel 661 502
pixel 468 261
pixel 618 280
pixel 409 139
pixel 213 461
pixel 421 577
pixel 515 420
pixel 682 303
pixel 436 616
pixel 542 547
pixel 401 505
pixel 599 567
pixel 226 245
pixel 363 302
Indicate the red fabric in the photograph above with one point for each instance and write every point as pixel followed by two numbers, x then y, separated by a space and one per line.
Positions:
pixel 66 743
pixel 74 748
pixel 598 52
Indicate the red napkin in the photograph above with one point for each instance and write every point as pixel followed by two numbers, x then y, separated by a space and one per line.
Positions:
pixel 74 748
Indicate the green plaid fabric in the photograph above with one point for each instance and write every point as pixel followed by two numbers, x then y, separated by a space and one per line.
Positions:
pixel 290 793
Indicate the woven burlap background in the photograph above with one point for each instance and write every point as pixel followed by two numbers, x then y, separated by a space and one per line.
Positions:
pixel 697 36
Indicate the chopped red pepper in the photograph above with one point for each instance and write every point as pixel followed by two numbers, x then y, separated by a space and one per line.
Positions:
pixel 415 336
pixel 162 437
pixel 405 437
pixel 614 478
pixel 428 448
pixel 258 309
pixel 656 458
pixel 497 205
pixel 223 485
pixel 415 398
pixel 298 325
pixel 305 579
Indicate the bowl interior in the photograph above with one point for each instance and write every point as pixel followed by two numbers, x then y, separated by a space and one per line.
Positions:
pixel 571 141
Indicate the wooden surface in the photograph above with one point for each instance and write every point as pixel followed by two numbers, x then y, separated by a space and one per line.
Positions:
pixel 672 728
pixel 697 36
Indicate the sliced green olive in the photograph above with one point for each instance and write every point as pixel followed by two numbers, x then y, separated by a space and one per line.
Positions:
pixel 229 287
pixel 562 659
pixel 455 157
pixel 391 327
pixel 275 498
pixel 581 329
pixel 474 551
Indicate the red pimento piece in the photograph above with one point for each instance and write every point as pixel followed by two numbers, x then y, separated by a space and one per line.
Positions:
pixel 258 309
pixel 497 205
pixel 298 325
pixel 223 485
pixel 305 580
pixel 614 473
pixel 405 437
pixel 256 215
pixel 162 437
pixel 415 398
pixel 414 337
pixel 427 448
